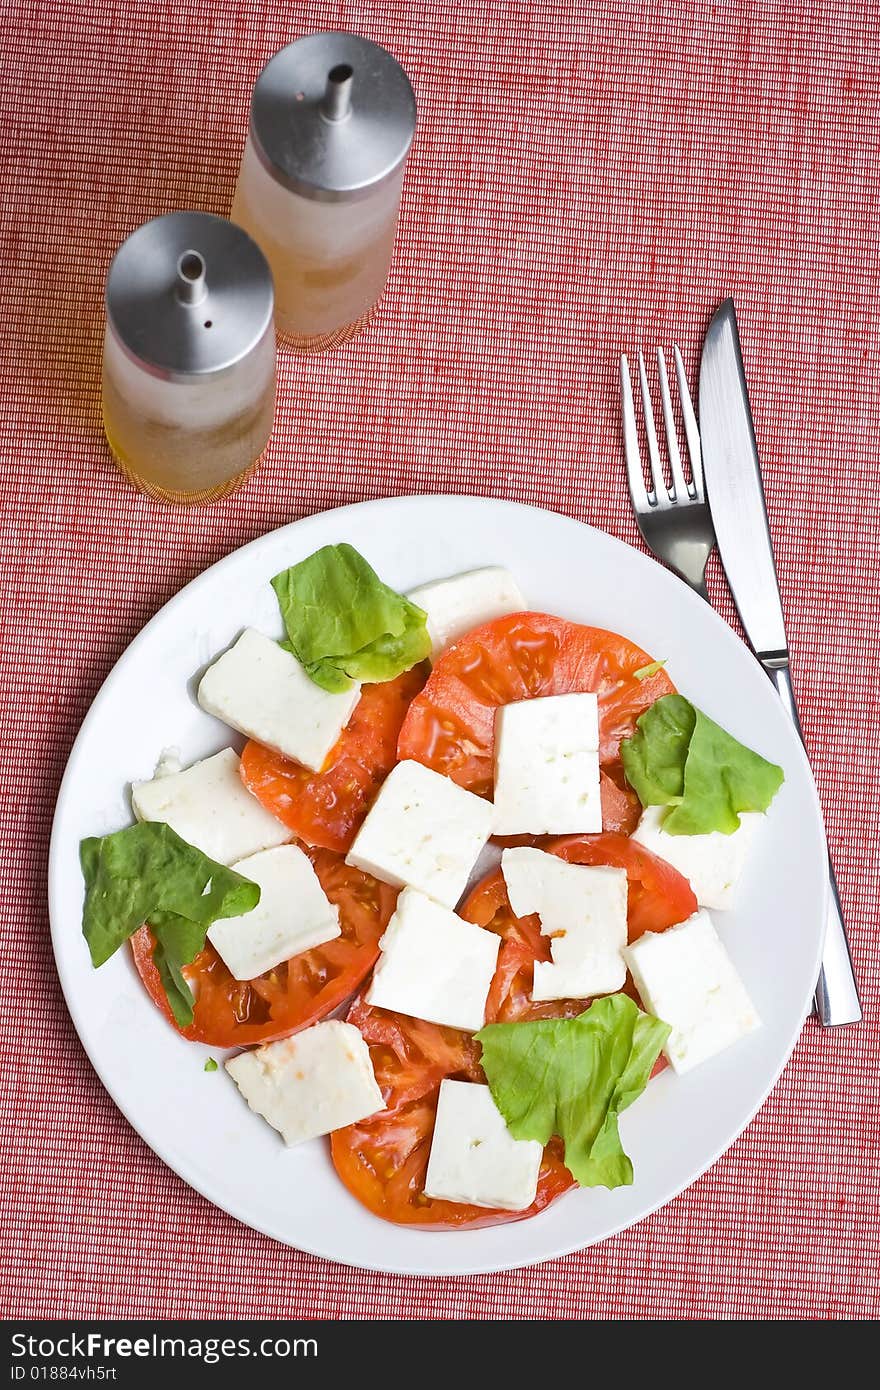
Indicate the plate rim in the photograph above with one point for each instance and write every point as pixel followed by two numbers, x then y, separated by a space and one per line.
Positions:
pixel 633 555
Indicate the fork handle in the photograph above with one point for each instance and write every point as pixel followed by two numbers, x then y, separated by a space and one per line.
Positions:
pixel 837 995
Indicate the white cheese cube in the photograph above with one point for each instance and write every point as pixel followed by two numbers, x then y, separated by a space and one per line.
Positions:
pixel 547 766
pixel 713 863
pixel 263 691
pixel 293 914
pixel 209 806
pixel 583 911
pixel 169 763
pixel 317 1081
pixel 686 978
pixel 474 1158
pixel 424 832
pixel 434 965
pixel 455 606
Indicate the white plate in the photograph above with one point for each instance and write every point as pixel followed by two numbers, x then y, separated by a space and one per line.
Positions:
pixel 196 1122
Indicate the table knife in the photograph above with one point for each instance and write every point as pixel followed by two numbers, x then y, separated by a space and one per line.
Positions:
pixel 736 499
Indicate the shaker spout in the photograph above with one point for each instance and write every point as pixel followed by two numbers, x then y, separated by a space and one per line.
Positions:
pixel 336 103
pixel 191 287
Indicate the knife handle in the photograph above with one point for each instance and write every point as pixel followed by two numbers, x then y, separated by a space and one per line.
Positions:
pixel 837 995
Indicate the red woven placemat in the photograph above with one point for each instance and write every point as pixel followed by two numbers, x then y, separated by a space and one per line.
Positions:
pixel 586 176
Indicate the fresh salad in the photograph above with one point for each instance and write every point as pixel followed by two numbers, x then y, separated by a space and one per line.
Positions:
pixel 315 904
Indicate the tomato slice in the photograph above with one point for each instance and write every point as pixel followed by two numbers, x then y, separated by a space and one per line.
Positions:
pixel 450 725
pixel 300 991
pixel 658 897
pixel 621 808
pixel 383 1159
pixel 326 808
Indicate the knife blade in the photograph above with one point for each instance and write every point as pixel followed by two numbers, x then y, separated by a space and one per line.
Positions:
pixel 735 489
pixel 735 493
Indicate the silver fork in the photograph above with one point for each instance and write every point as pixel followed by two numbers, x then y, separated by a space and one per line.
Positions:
pixel 675 522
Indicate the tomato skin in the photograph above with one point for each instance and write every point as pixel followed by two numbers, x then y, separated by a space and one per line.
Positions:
pixel 450 725
pixel 383 1159
pixel 297 993
pixel 326 808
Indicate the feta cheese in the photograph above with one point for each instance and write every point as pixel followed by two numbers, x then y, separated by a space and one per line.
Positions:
pixel 293 914
pixel 547 766
pixel 434 965
pixel 713 863
pixel 209 807
pixel 317 1081
pixel 262 690
pixel 424 832
pixel 455 606
pixel 474 1158
pixel 169 763
pixel 685 977
pixel 582 910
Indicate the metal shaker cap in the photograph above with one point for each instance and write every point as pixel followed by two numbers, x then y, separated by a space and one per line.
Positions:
pixel 332 116
pixel 189 294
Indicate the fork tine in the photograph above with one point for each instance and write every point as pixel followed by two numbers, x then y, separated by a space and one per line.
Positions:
pixel 690 428
pixel 659 486
pixel 679 486
pixel 634 475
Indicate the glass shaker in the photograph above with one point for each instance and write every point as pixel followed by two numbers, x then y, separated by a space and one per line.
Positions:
pixel 332 118
pixel 189 357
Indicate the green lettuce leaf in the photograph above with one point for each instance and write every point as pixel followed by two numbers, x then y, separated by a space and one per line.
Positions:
pixel 344 624
pixel 572 1077
pixel 680 758
pixel 147 873
pixel 177 943
pixel 655 756
pixel 645 672
pixel 169 964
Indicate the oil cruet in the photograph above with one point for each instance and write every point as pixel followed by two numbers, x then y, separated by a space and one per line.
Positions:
pixel 188 387
pixel 332 119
